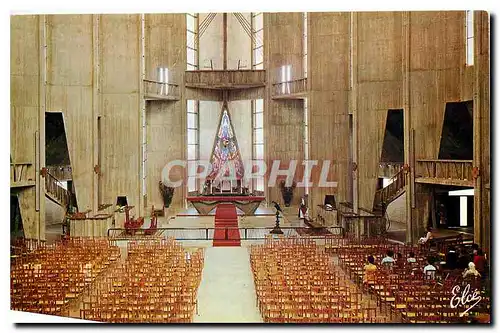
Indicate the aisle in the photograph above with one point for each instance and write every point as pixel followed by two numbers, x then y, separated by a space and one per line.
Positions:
pixel 227 293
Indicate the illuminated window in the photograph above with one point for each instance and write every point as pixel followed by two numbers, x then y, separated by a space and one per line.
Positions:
pixel 257 40
pixel 193 142
pixel 192 41
pixel 258 139
pixel 469 37
pixel 304 45
pixel 286 76
pixel 351 53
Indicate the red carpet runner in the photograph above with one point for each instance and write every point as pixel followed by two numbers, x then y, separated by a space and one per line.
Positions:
pixel 226 226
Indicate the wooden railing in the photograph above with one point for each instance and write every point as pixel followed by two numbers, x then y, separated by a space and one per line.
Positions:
pixel 60 172
pixel 290 87
pixel 56 191
pixel 451 170
pixel 385 195
pixel 20 173
pixel 158 90
pixel 387 170
pixel 225 79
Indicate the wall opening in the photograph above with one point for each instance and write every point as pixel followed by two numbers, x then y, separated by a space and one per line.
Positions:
pixel 393 145
pixel 56 146
pixel 454 207
pixel 121 201
pixel 457 132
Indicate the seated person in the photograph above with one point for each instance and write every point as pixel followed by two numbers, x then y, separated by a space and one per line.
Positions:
pixel 370 268
pixel 451 259
pixel 411 258
pixel 429 270
pixel 471 271
pixel 388 259
pixel 428 236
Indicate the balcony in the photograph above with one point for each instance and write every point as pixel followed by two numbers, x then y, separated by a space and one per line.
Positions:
pixel 19 175
pixel 157 90
pixel 225 79
pixel 444 172
pixel 295 89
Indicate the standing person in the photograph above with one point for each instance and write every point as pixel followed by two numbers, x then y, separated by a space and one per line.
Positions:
pixel 480 262
pixel 303 209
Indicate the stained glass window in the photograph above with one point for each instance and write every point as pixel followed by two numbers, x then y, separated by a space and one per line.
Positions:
pixel 226 158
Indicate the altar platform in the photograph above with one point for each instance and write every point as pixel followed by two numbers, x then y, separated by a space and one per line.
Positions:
pixel 247 204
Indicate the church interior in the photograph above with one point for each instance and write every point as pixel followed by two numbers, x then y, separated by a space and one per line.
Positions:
pixel 253 167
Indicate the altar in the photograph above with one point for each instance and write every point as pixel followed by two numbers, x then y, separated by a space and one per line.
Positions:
pixel 225 183
pixel 205 203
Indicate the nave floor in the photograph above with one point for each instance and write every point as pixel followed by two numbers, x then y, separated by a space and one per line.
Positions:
pixel 227 293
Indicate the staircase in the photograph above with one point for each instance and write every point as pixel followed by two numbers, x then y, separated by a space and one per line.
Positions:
pixel 226 226
pixel 391 192
pixel 55 191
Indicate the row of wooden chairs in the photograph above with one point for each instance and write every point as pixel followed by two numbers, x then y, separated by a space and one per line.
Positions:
pixel 297 282
pixel 157 283
pixel 46 279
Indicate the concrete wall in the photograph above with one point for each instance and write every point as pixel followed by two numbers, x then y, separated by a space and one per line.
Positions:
pixel 283 119
pixel 328 56
pixel 379 88
pixel 165 45
pixel 26 37
pixel 70 90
